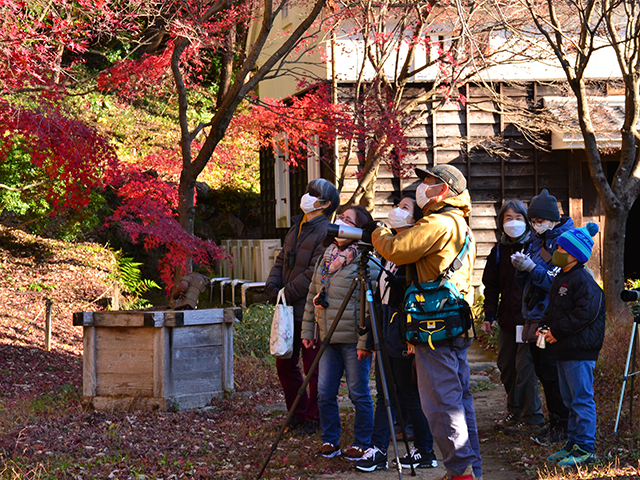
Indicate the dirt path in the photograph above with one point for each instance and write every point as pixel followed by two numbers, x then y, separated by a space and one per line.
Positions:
pixel 490 405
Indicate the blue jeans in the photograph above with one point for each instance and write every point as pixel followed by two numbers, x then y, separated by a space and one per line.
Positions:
pixel 443 380
pixel 576 388
pixel 337 359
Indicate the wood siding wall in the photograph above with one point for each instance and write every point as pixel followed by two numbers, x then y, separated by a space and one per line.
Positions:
pixel 453 136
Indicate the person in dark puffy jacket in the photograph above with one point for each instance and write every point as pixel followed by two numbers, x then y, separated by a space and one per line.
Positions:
pixel 503 305
pixel 292 271
pixel 537 273
pixel 573 327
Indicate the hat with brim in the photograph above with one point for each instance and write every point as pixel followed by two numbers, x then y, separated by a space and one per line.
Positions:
pixel 447 174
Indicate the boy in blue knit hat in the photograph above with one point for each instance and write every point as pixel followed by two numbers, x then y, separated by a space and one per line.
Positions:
pixel 573 328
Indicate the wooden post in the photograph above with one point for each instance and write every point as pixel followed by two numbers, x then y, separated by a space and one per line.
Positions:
pixel 47 326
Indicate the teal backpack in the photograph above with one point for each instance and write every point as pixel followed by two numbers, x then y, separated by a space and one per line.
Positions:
pixel 436 312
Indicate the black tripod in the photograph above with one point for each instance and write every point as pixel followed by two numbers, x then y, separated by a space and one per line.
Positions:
pixel 366 298
pixel 631 362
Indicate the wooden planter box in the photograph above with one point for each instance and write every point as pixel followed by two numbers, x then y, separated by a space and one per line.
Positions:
pixel 156 360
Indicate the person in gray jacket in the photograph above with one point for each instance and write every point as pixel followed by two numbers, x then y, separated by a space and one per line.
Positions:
pixel 292 271
pixel 348 352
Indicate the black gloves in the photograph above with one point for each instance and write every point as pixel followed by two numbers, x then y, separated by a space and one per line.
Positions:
pixel 372 225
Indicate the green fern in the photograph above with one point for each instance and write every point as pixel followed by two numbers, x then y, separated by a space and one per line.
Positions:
pixel 131 283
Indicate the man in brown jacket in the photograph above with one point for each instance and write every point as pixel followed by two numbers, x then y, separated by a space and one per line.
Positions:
pixel 443 371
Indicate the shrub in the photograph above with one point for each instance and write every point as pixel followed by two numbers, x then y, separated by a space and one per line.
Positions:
pixel 251 335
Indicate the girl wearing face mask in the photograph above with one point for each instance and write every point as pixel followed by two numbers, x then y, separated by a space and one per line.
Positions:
pixel 292 271
pixel 503 306
pixel 348 352
pixel 537 271
pixel 392 285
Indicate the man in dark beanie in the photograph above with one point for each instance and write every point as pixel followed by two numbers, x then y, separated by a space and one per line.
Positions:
pixel 574 329
pixel 537 271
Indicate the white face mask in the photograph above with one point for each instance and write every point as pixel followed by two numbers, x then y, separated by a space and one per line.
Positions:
pixel 540 228
pixel 514 228
pixel 421 194
pixel 307 203
pixel 399 217
pixel 341 222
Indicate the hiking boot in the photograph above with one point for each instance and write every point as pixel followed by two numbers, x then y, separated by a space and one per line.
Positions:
pixel 578 457
pixel 466 475
pixel 353 453
pixel 561 454
pixel 307 429
pixel 293 424
pixel 419 459
pixel 547 437
pixel 522 428
pixel 373 459
pixel 507 421
pixel 329 450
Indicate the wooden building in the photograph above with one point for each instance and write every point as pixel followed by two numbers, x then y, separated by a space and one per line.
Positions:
pixel 455 135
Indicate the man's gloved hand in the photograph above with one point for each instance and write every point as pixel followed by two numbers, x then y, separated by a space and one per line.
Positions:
pixel 372 225
pixel 368 228
pixel 522 262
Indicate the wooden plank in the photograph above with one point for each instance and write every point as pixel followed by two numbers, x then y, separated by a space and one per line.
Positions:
pixel 89 361
pixel 485 236
pixel 81 319
pixel 154 319
pixel 232 315
pixel 205 316
pixel 124 361
pixel 227 357
pixel 484 249
pixel 485 210
pixel 133 384
pixel 479 117
pixel 483 130
pixel 197 369
pixel 118 319
pixel 126 403
pixel 196 336
pixel 160 358
pixel 487 223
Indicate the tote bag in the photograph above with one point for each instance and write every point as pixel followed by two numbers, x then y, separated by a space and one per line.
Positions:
pixel 281 341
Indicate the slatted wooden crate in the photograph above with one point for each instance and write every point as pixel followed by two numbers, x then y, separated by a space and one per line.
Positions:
pixel 156 360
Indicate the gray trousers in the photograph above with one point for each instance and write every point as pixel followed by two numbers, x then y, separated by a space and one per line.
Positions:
pixel 443 381
pixel 519 378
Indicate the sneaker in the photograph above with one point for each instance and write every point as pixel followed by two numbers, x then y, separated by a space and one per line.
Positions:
pixel 507 421
pixel 561 454
pixel 578 457
pixel 307 429
pixel 373 459
pixel 466 475
pixel 329 450
pixel 523 428
pixel 419 459
pixel 353 453
pixel 547 437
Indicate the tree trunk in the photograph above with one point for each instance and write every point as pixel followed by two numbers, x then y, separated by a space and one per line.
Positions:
pixel 613 263
pixel 186 203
